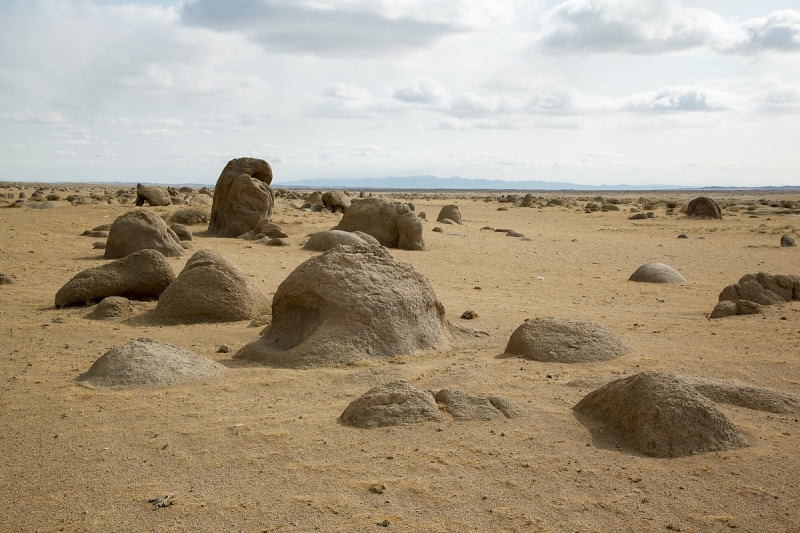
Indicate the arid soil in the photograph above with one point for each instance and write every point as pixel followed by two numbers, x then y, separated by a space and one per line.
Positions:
pixel 260 449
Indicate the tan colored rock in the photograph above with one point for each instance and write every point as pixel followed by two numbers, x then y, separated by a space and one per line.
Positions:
pixel 392 404
pixel 376 217
pixel 242 197
pixel 152 195
pixel 141 230
pixel 561 340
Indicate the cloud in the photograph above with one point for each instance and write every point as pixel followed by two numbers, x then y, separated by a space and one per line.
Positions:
pixel 344 91
pixel 37 118
pixel 65 153
pixel 676 99
pixel 420 91
pixel 654 27
pixel 319 28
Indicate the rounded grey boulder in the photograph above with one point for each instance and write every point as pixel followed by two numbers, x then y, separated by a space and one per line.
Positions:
pixel 657 273
pixel 562 340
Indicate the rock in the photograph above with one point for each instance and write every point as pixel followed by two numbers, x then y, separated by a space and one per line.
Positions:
pixel 111 307
pixel 141 230
pixel 191 216
pixel 335 201
pixel 410 233
pixel 422 215
pixel 513 233
pixel 725 309
pixel 564 341
pixel 656 273
pixel 276 242
pixel 750 290
pixel 95 234
pixel 369 239
pixel 683 236
pixel 325 240
pixel 5 279
pixel 210 288
pixel 153 195
pixel 391 404
pixel 199 200
pixel 463 406
pixel 314 198
pixel 142 275
pixel 527 201
pixel 99 245
pixel 437 229
pixel 787 241
pixel 450 212
pixel 747 396
pixel 638 216
pixel 609 207
pixel 224 349
pixel 445 221
pixel 350 304
pixel 506 406
pixel 102 227
pixel 149 363
pixel 242 197
pixel 469 315
pixel 376 217
pixel 659 415
pixel 411 206
pixel 269 229
pixel 703 207
pixel 183 233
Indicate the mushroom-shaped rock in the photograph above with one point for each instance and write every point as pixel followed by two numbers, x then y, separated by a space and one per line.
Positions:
pixel 111 307
pixel 660 415
pixel 463 406
pixel 657 273
pixel 449 212
pixel 242 197
pixel 376 217
pixel 210 288
pixel 391 404
pixel 409 227
pixel 325 240
pixel 142 275
pixel 350 304
pixel 563 340
pixel 153 195
pixel 703 207
pixel 147 362
pixel 335 201
pixel 141 230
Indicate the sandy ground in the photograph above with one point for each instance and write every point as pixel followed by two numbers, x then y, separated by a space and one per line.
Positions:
pixel 261 449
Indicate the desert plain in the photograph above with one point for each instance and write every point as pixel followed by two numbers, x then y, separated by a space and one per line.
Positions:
pixel 261 448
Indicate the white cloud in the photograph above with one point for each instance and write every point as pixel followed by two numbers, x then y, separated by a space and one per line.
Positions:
pixel 38 118
pixel 65 153
pixel 677 99
pixel 653 27
pixel 420 91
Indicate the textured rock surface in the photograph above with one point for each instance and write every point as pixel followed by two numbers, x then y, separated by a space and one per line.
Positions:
pixel 142 275
pixel 391 404
pixel 463 406
pixel 147 362
pixel 660 415
pixel 409 227
pixel 325 240
pixel 111 307
pixel 349 304
pixel 141 230
pixel 242 197
pixel 335 201
pixel 210 288
pixel 376 217
pixel 152 195
pixel 754 291
pixel 564 341
pixel 449 212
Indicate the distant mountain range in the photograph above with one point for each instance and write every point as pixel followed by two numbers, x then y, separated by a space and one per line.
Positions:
pixel 436 183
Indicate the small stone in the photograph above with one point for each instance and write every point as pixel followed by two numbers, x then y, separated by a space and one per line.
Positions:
pixel 437 229
pixel 223 349
pixel 682 236
pixel 385 523
pixel 469 315
pixel 787 241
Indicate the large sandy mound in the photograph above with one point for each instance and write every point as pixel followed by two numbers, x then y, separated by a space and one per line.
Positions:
pixel 142 275
pixel 210 288
pixel 381 219
pixel 242 197
pixel 657 273
pixel 743 395
pixel 141 230
pixel 146 362
pixel 564 341
pixel 660 415
pixel 349 304
pixel 391 404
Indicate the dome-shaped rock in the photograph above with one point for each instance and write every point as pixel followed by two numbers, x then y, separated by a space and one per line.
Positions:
pixel 111 307
pixel 153 195
pixel 564 341
pixel 703 207
pixel 349 304
pixel 325 240
pixel 210 288
pixel 449 212
pixel 660 415
pixel 657 273
pixel 391 404
pixel 141 230
pixel 335 201
pixel 379 218
pixel 146 362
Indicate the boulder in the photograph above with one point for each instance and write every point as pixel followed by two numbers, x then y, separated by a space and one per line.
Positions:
pixel 409 227
pixel 142 275
pixel 787 241
pixel 369 239
pixel 242 197
pixel 563 340
pixel 656 273
pixel 376 217
pixel 463 406
pixel 111 307
pixel 183 233
pixel 153 195
pixel 391 404
pixel 149 363
pixel 269 229
pixel 703 207
pixel 325 240
pixel 351 304
pixel 199 200
pixel 660 415
pixel 314 198
pixel 335 201
pixel 639 216
pixel 449 212
pixel 141 230
pixel 527 201
pixel 210 288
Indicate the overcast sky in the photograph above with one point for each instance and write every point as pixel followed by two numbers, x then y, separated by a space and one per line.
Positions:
pixel 586 91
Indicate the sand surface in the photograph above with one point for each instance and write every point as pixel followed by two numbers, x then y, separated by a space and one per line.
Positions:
pixel 261 449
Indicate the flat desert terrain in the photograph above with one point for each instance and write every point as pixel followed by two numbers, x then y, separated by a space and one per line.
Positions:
pixel 261 448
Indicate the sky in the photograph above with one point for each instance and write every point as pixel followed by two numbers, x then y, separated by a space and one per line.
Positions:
pixel 692 93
